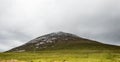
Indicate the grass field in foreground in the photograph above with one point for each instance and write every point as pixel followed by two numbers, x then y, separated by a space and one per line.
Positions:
pixel 62 56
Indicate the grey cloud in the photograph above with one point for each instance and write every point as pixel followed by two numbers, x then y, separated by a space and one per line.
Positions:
pixel 24 20
pixel 7 34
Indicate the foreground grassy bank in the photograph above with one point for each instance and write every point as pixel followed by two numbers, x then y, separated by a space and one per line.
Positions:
pixel 62 56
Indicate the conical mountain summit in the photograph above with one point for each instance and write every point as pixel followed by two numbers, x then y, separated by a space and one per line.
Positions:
pixel 61 40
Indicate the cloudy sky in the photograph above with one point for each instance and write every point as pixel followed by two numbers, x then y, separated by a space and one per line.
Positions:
pixel 23 20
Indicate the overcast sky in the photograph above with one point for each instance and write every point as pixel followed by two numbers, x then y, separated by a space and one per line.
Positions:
pixel 23 20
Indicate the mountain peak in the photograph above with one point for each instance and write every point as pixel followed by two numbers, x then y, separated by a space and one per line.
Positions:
pixel 54 36
pixel 55 40
pixel 59 32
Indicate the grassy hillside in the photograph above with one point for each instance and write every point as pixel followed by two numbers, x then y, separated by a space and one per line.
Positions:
pixel 62 56
pixel 67 53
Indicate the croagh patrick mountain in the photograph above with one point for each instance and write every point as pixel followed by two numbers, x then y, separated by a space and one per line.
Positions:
pixel 62 40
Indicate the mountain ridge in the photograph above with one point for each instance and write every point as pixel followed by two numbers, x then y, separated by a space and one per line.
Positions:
pixel 61 40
